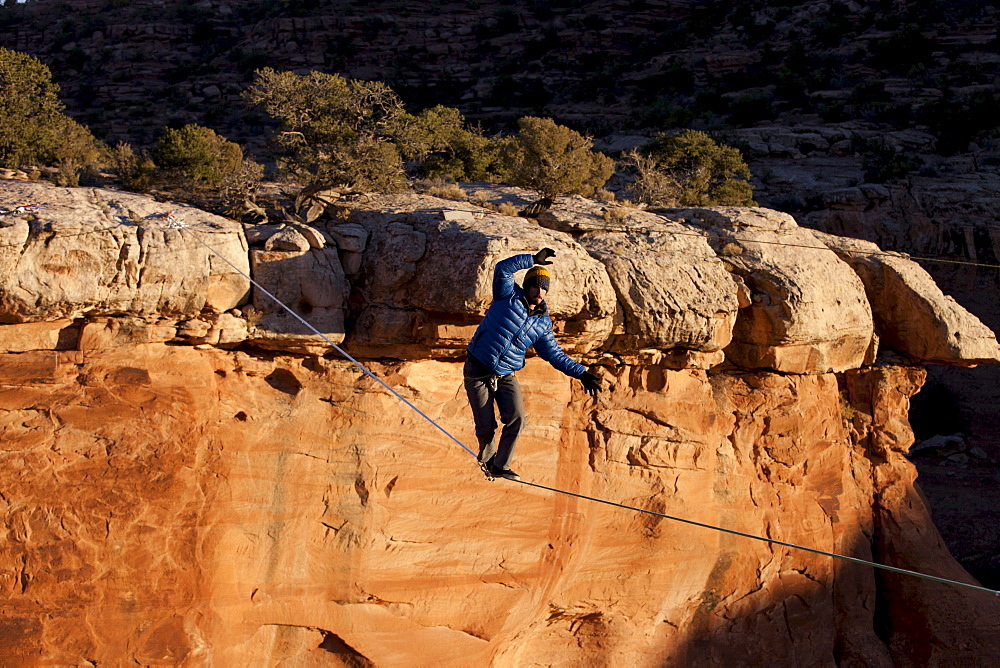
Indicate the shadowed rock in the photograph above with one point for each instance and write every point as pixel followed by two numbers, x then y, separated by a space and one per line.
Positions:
pixel 807 313
pixel 912 315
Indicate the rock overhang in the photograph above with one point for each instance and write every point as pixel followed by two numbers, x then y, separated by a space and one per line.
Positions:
pixel 409 276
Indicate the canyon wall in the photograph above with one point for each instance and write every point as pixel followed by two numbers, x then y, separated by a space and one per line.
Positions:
pixel 194 479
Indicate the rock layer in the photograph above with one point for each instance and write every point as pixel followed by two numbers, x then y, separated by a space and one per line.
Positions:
pixel 409 276
pixel 220 504
pixel 913 315
pixel 206 507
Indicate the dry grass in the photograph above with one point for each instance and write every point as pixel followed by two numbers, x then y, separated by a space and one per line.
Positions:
pixel 615 215
pixel 450 191
pixel 253 316
pixel 503 208
pixel 481 197
pixel 847 411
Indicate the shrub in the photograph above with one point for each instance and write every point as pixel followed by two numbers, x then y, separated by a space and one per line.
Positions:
pixel 748 110
pixel 441 145
pixel 333 131
pixel 33 128
pixel 241 186
pixel 650 183
pixel 615 215
pixel 666 112
pixel 555 160
pixel 689 169
pixel 77 153
pixel 134 172
pixel 507 209
pixel 447 191
pixel 882 161
pixel 198 154
pixel 957 120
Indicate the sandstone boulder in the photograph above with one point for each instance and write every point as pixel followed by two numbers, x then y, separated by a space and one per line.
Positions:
pixel 90 251
pixel 672 288
pixel 416 260
pixel 287 238
pixel 911 313
pixel 578 214
pixel 808 312
pixel 351 240
pixel 312 284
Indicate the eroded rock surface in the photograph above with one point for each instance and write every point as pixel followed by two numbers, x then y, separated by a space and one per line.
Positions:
pixel 87 251
pixel 207 507
pixel 912 314
pixel 808 312
pixel 410 276
pixel 218 504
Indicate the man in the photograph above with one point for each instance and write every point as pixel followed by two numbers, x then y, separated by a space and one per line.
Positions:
pixel 517 319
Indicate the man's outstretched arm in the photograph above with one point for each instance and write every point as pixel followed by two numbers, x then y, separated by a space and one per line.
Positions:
pixel 548 349
pixel 503 274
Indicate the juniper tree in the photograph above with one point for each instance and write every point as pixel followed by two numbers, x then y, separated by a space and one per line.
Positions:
pixel 33 128
pixel 689 169
pixel 555 160
pixel 332 131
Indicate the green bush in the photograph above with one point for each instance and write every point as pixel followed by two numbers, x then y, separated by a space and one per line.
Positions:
pixel 958 120
pixel 748 110
pixel 555 160
pixel 77 153
pixel 198 154
pixel 439 143
pixel 33 129
pixel 689 169
pixel 333 131
pixel 134 172
pixel 881 161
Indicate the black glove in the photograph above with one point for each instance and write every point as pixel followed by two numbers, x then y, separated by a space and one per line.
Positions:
pixel 591 383
pixel 542 256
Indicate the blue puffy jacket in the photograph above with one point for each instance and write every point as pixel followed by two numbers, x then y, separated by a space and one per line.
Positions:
pixel 509 329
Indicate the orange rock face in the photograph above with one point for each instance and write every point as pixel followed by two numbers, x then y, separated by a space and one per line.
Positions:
pixel 189 481
pixel 169 505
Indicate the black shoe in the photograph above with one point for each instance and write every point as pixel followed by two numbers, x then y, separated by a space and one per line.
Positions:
pixel 504 473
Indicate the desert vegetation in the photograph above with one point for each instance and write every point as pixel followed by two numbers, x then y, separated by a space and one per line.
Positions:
pixel 689 168
pixel 34 131
pixel 332 133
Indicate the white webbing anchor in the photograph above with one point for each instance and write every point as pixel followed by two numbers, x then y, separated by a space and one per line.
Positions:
pixel 173 222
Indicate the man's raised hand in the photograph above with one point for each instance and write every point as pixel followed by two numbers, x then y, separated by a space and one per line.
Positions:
pixel 542 256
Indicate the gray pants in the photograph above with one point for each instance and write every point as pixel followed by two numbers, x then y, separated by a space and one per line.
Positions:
pixel 486 389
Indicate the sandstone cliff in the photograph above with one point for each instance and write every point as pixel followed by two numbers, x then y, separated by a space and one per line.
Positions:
pixel 194 479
